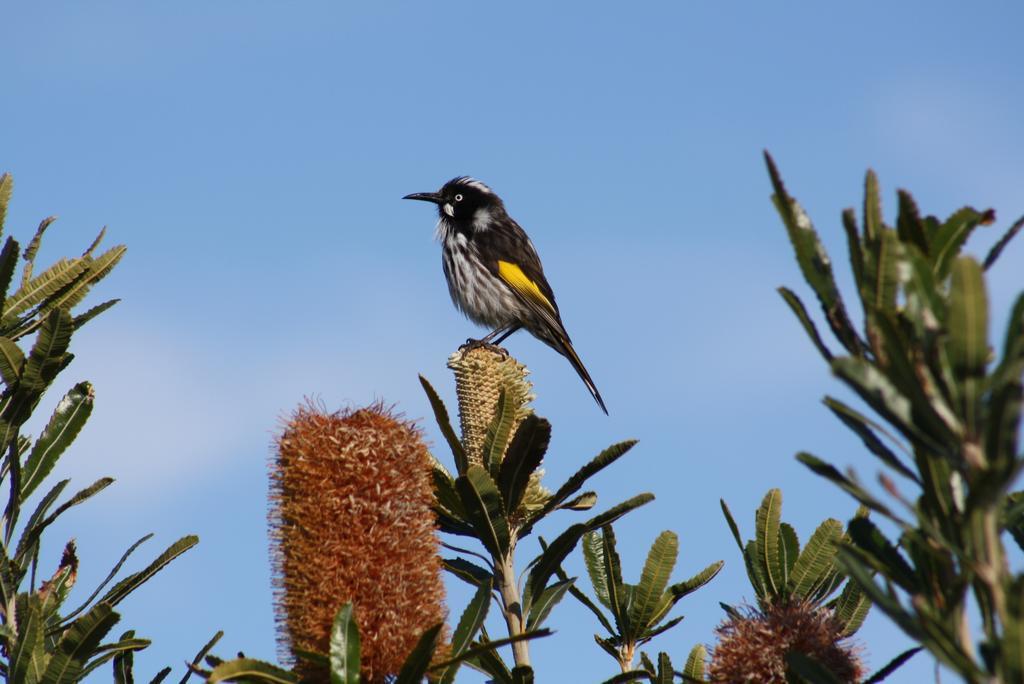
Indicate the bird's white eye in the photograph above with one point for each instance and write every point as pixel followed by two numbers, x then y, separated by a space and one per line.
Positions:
pixel 458 198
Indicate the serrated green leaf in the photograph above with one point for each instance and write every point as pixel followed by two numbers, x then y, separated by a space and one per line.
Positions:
pixel 851 608
pixel 661 560
pixel 12 360
pixel 583 502
pixel 593 546
pixel 66 422
pixel 251 671
pixel 6 186
pixel 694 668
pixel 78 643
pixel 124 663
pixel 416 665
pixel 864 428
pixel 909 226
pixel 445 425
pixel 93 312
pixel 484 509
pixel 691 585
pixel 541 606
pixel 8 262
pixel 28 656
pixel 33 248
pixel 523 457
pixel 469 624
pixel 801 314
pixel 129 584
pixel 816 561
pixel 574 483
pixel 789 548
pixel 468 572
pixel 32 531
pixel 498 433
pixel 42 287
pixel 881 554
pixel 952 235
pixel 813 260
pixel 766 541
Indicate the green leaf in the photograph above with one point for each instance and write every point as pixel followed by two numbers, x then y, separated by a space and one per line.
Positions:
pixel 44 286
pixel 968 335
pixel 892 666
pixel 755 571
pixel 34 529
pixel 484 509
pixel 345 657
pixel 694 668
pixel 33 249
pixel 66 422
pixel 12 360
pixel 814 262
pixel 800 311
pixel 482 655
pixel 251 671
pixel 93 312
pixel 445 424
pixel 207 647
pixel 998 248
pixel 498 433
pixel 882 555
pixel 468 572
pixel 952 235
pixel 562 545
pixel 766 541
pixel 909 226
pixel 851 608
pixel 416 664
pixel 451 514
pixel 732 524
pixel 789 548
pixel 129 584
pixel 595 561
pixel 816 561
pixel 574 483
pixel 583 502
pixel 107 652
pixel 525 452
pixel 6 185
pixel 808 669
pixel 78 643
pixel 28 657
pixel 8 262
pixel 661 560
pixel 851 487
pixel 863 427
pixel 691 585
pixel 124 662
pixel 541 606
pixel 853 245
pixel 469 624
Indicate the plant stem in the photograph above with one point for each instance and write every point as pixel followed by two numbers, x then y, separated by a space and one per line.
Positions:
pixel 512 608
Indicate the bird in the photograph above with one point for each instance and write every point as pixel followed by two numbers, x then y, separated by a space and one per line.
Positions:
pixel 493 271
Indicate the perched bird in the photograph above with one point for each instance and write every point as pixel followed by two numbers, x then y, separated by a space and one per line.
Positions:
pixel 493 271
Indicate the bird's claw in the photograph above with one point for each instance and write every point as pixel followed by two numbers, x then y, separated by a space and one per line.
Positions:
pixel 472 344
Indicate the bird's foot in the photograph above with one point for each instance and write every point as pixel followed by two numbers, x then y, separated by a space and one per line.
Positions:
pixel 472 344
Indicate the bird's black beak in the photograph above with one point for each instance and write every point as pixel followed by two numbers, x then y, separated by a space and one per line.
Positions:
pixel 425 197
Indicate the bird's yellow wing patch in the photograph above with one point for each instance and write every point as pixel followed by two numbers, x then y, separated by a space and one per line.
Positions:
pixel 521 283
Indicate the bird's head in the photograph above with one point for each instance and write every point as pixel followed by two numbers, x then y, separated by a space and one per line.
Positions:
pixel 461 199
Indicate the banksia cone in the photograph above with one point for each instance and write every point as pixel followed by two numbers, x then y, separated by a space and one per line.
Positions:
pixel 351 521
pixel 481 373
pixel 752 647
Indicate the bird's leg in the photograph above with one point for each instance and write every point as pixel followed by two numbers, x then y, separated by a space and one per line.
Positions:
pixel 508 331
pixel 489 339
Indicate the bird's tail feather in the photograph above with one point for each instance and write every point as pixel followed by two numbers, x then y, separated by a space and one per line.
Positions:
pixel 564 347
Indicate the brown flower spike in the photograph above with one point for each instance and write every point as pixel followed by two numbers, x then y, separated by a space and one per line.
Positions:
pixel 351 521
pixel 752 647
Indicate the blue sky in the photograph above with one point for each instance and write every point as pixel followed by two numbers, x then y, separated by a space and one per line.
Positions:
pixel 252 156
